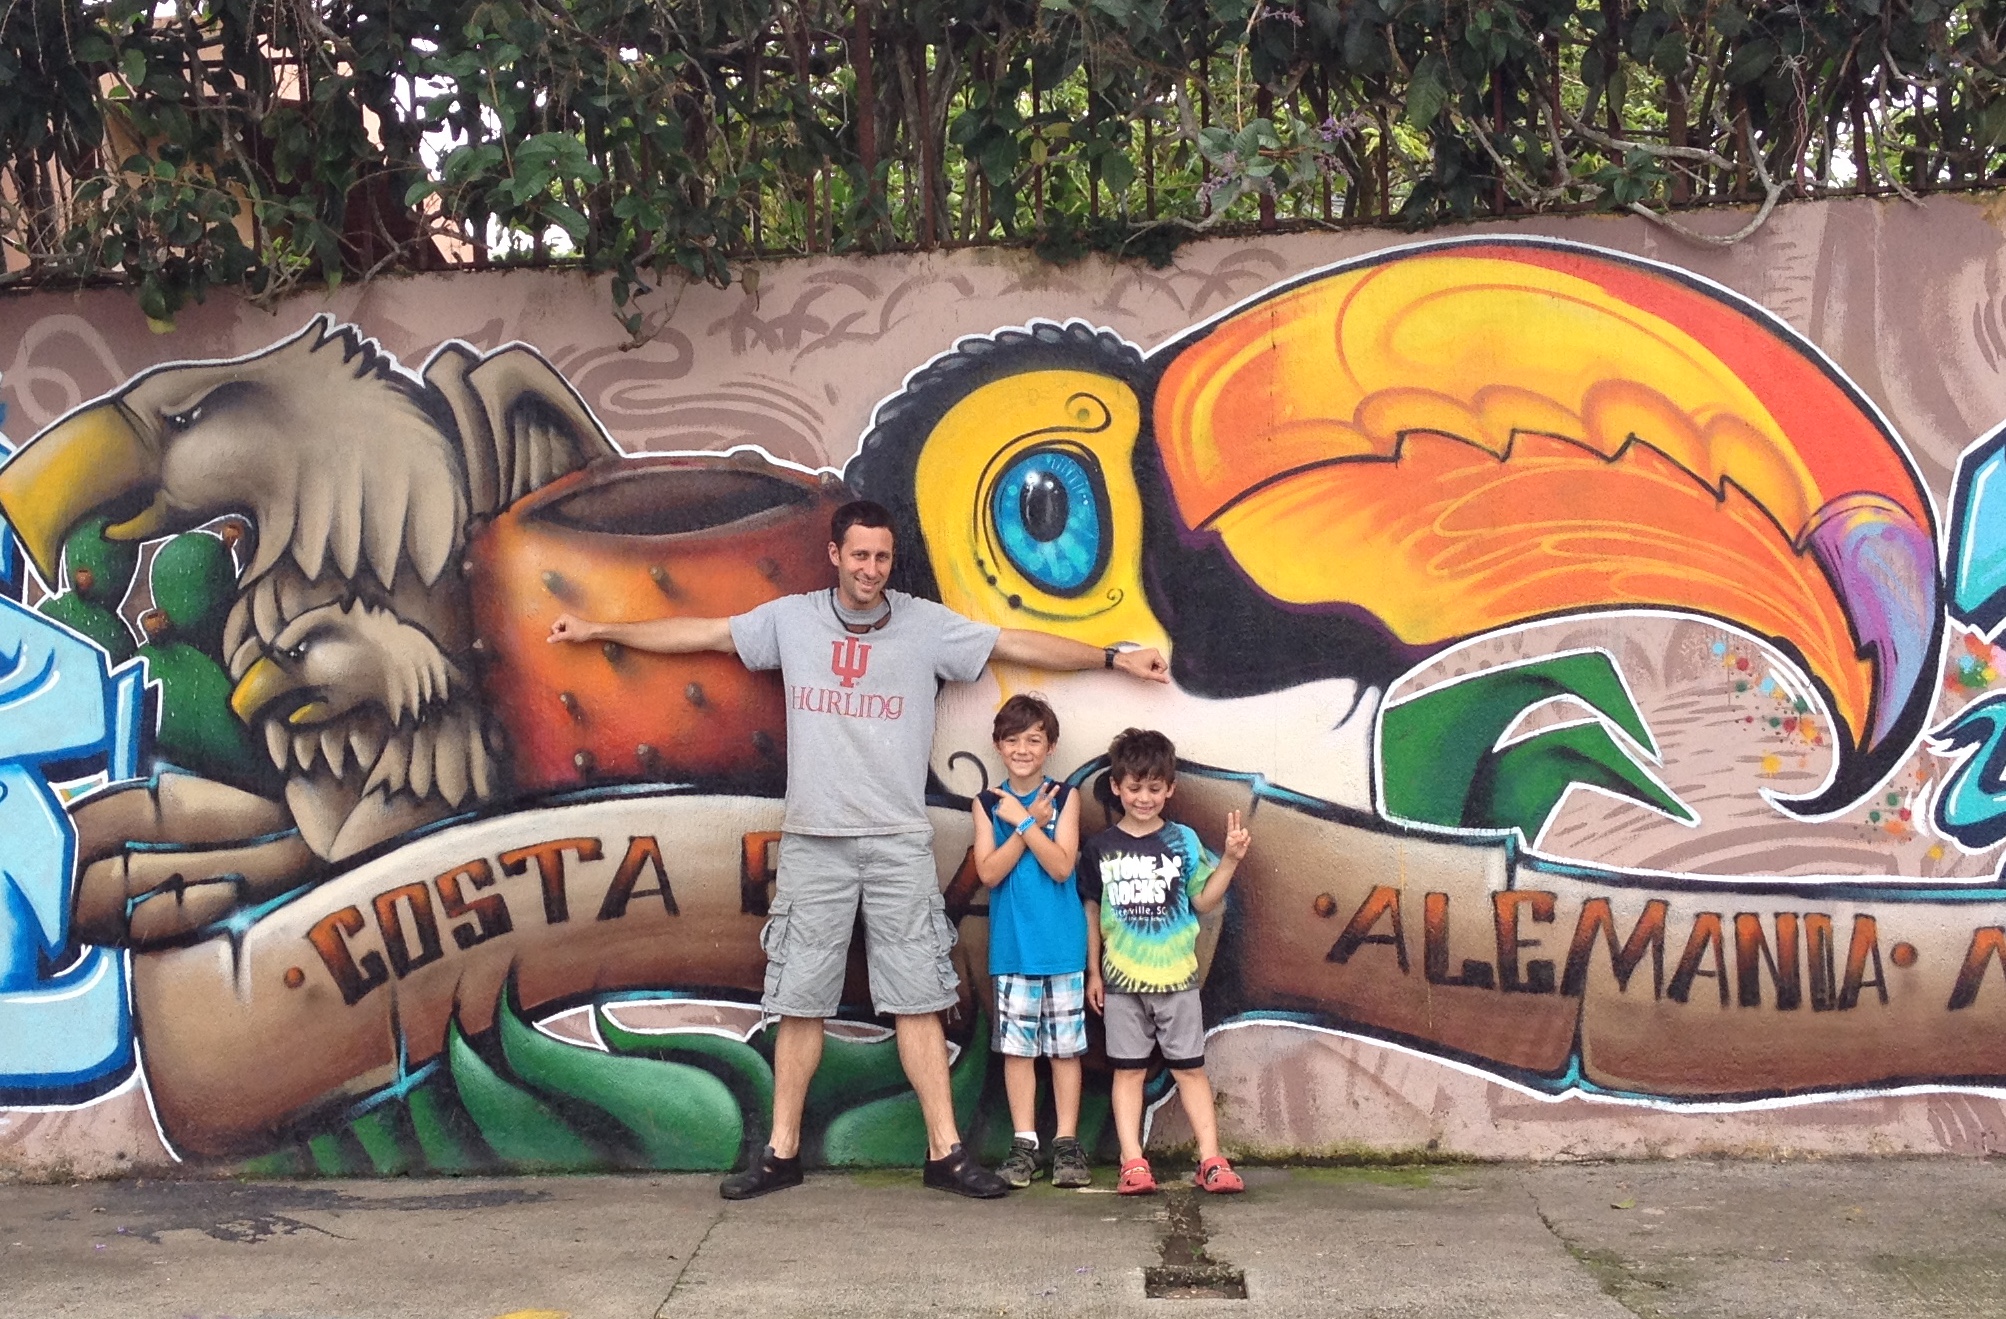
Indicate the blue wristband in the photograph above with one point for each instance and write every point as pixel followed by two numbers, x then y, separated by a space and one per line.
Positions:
pixel 1025 826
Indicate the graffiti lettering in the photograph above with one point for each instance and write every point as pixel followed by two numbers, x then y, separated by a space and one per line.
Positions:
pixel 407 921
pixel 491 912
pixel 418 898
pixel 1647 935
pixel 68 1032
pixel 641 851
pixel 329 937
pixel 1706 934
pixel 1380 904
pixel 1801 940
pixel 1537 977
pixel 1987 943
pixel 1971 808
pixel 1866 943
pixel 1752 952
pixel 1476 972
pixel 549 858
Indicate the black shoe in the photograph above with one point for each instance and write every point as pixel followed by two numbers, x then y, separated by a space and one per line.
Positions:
pixel 769 1172
pixel 958 1172
pixel 1020 1166
pixel 1069 1163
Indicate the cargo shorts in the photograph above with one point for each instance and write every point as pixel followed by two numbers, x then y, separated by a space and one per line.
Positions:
pixel 907 936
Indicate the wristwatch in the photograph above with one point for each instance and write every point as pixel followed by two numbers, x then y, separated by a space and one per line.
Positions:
pixel 1025 825
pixel 1109 652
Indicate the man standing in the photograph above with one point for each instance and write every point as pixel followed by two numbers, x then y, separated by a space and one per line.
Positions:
pixel 862 667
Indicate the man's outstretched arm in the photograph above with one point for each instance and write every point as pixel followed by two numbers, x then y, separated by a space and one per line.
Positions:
pixel 1042 650
pixel 665 636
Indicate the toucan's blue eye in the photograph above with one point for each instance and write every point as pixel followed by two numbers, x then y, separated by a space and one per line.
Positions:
pixel 1051 516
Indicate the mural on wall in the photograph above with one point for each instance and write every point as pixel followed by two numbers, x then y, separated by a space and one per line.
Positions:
pixel 397 885
pixel 64 1025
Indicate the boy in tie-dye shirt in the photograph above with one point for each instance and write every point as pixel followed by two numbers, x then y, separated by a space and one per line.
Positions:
pixel 1145 881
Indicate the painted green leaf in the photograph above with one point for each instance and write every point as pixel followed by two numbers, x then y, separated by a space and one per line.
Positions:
pixel 971 1073
pixel 852 1070
pixel 439 1125
pixel 743 1069
pixel 1432 747
pixel 891 1132
pixel 332 1157
pixel 286 1162
pixel 526 1133
pixel 683 1118
pixel 1096 1112
pixel 994 1127
pixel 888 1132
pixel 1521 786
pixel 377 1132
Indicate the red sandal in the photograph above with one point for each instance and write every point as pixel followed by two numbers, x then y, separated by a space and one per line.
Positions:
pixel 1136 1179
pixel 1217 1176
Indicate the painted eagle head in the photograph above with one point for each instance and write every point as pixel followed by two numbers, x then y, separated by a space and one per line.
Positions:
pixel 360 480
pixel 1358 470
pixel 356 688
pixel 338 456
pixel 342 657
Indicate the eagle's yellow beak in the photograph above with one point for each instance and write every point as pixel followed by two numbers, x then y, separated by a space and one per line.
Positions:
pixel 85 461
pixel 264 685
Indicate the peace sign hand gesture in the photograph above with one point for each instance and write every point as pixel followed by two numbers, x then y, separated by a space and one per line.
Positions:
pixel 1041 806
pixel 1237 837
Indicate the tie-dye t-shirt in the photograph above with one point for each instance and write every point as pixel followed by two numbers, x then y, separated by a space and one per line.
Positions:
pixel 1149 931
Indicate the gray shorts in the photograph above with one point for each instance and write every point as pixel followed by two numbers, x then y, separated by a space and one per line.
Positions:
pixel 907 936
pixel 1171 1022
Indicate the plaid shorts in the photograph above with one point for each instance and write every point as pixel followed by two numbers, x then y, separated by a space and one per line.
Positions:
pixel 1041 1015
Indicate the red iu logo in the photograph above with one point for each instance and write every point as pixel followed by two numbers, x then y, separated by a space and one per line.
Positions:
pixel 849 659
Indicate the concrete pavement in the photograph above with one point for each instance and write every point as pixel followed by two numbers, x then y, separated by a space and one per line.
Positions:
pixel 1691 1238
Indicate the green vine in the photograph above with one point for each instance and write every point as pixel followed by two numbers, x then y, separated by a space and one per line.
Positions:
pixel 259 144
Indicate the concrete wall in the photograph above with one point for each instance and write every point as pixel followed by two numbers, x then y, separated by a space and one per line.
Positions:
pixel 1596 626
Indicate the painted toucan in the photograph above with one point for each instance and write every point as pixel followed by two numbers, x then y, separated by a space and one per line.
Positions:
pixel 1318 489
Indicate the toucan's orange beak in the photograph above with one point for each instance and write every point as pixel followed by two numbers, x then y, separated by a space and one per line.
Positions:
pixel 1472 437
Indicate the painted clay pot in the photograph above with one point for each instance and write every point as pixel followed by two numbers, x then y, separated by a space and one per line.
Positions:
pixel 650 537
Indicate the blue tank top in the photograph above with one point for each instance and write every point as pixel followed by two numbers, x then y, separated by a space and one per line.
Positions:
pixel 1036 925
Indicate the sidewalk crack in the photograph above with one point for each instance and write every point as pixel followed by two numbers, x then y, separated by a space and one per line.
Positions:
pixel 662 1311
pixel 1619 1280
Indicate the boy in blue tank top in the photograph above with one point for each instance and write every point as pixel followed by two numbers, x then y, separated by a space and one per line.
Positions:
pixel 1027 834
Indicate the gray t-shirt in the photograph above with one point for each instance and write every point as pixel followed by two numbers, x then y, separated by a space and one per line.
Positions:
pixel 860 707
